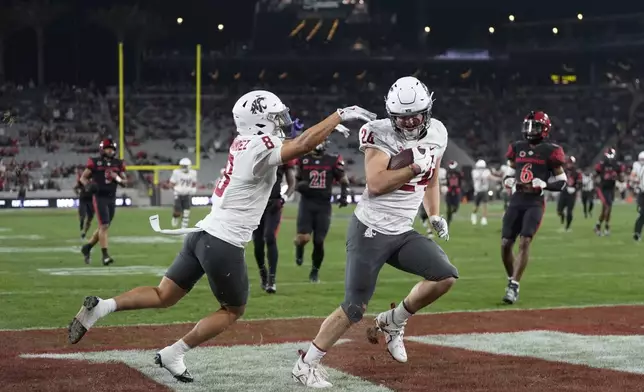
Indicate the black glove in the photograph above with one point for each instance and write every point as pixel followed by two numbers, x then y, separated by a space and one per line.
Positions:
pixel 343 202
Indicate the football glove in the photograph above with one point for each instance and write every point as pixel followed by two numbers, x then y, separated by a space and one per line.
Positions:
pixel 356 113
pixel 343 202
pixel 509 182
pixel 343 130
pixel 302 186
pixel 439 224
pixel 422 159
pixel 539 183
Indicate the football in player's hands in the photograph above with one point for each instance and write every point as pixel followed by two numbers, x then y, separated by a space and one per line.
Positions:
pixel 401 160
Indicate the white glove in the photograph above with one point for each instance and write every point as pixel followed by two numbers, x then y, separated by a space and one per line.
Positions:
pixel 539 183
pixel 571 189
pixel 422 159
pixel 509 182
pixel 439 224
pixel 356 113
pixel 343 130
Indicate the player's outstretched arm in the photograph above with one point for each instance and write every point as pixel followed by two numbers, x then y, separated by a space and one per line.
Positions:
pixel 380 180
pixel 319 132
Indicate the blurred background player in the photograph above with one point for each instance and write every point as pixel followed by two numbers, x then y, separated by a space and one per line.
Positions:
pixel 265 235
pixel 608 171
pixel 568 197
pixel 481 177
pixel 315 173
pixel 637 181
pixel 534 161
pixel 101 177
pixel 184 183
pixel 454 185
pixel 505 171
pixel 85 206
pixel 587 192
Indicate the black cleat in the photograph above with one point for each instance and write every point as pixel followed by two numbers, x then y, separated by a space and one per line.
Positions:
pixel 183 377
pixel 107 260
pixel 299 261
pixel 313 276
pixel 264 278
pixel 637 237
pixel 85 250
pixel 271 287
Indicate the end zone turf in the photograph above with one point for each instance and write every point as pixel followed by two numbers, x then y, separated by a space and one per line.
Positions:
pixel 588 349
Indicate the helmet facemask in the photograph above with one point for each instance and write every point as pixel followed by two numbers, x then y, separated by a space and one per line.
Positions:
pixel 533 130
pixel 283 123
pixel 410 126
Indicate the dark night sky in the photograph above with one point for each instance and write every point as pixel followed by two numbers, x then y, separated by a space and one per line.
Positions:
pixel 78 50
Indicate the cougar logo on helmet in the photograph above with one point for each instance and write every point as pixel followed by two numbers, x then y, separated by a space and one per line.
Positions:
pixel 257 106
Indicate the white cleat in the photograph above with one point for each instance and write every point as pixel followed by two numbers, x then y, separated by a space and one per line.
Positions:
pixel 483 221
pixel 84 319
pixel 473 218
pixel 393 335
pixel 310 375
pixel 174 364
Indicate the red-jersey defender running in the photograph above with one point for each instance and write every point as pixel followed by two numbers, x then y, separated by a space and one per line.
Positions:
pixel 101 177
pixel 534 161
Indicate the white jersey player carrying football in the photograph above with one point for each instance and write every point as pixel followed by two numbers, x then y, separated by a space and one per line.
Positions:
pixel 184 184
pixel 481 178
pixel 381 229
pixel 215 247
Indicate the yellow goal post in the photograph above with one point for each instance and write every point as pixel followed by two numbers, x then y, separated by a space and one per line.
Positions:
pixel 121 104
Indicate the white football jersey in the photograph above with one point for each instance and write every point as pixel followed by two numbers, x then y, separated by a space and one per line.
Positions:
pixel 481 180
pixel 638 174
pixel 394 213
pixel 241 195
pixel 184 182
pixel 587 182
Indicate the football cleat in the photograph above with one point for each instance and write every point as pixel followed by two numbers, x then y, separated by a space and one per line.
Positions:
pixel 637 237
pixel 484 221
pixel 264 278
pixel 299 261
pixel 83 321
pixel 511 293
pixel 393 334
pixel 598 230
pixel 311 375
pixel 85 251
pixel 107 261
pixel 175 365
pixel 314 276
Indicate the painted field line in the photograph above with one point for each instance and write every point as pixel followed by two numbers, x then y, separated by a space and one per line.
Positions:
pixel 422 314
pixel 329 283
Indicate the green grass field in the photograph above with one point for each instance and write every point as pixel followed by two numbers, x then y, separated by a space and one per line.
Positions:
pixel 43 278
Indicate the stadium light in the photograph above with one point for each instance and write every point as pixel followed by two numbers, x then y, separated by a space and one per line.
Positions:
pixel 427 29
pixel 511 18
pixel 179 20
pixel 555 30
pixel 220 27
pixel 580 16
pixel 491 30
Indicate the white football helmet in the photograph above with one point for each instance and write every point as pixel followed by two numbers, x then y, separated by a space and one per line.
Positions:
pixel 261 112
pixel 409 105
pixel 185 164
pixel 480 164
pixel 640 157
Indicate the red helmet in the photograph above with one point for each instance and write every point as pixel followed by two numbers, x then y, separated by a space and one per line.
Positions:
pixel 105 144
pixel 536 126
